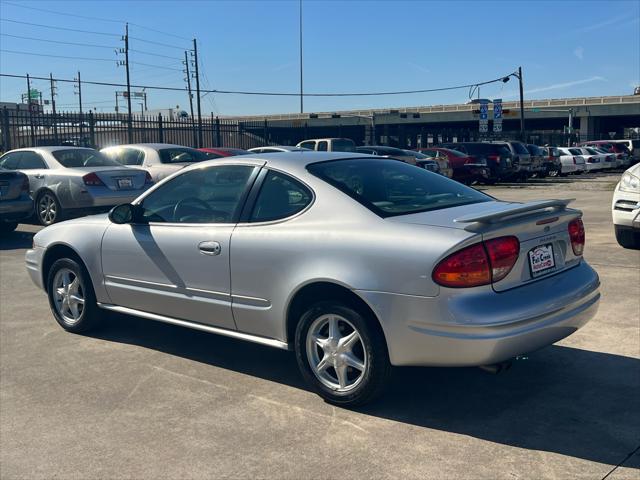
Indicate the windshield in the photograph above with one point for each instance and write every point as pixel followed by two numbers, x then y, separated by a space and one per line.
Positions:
pixel 343 145
pixel 181 155
pixel 79 157
pixel 390 188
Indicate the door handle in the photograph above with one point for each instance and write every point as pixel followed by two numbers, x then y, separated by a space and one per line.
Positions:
pixel 209 248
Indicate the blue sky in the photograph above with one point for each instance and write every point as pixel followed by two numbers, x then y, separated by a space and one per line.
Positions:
pixel 584 48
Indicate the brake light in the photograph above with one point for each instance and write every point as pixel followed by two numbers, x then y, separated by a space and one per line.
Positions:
pixel 590 159
pixel 25 184
pixel 495 158
pixel 147 179
pixel 478 264
pixel 92 180
pixel 576 234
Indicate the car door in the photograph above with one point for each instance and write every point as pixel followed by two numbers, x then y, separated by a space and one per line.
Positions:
pixel 34 166
pixel 174 260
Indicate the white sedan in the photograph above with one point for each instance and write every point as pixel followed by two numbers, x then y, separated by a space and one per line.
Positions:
pixel 159 159
pixel 625 208
pixel 572 161
pixel 595 160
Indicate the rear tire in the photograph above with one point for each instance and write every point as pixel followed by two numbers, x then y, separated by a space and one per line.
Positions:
pixel 71 296
pixel 628 238
pixel 48 209
pixel 341 354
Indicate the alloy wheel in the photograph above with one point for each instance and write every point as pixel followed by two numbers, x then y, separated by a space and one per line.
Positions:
pixel 336 353
pixel 47 209
pixel 68 295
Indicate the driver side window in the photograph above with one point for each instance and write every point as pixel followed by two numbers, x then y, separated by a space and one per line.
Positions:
pixel 209 195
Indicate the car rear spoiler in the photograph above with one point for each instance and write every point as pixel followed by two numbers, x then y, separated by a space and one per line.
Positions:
pixel 516 210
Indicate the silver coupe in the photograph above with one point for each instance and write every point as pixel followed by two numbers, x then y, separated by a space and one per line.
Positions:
pixel 66 179
pixel 356 263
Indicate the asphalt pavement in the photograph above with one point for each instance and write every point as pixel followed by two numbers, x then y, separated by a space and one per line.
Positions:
pixel 140 399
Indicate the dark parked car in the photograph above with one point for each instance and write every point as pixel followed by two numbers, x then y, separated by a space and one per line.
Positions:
pixel 426 162
pixel 537 160
pixel 15 202
pixel 551 161
pixel 465 169
pixel 521 159
pixel 498 158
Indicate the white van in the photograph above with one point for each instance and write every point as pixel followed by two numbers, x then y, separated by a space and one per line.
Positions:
pixel 329 144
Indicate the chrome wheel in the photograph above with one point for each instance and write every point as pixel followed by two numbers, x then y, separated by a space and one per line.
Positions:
pixel 47 209
pixel 68 295
pixel 336 353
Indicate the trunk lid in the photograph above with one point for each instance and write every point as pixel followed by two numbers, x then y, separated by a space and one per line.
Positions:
pixel 117 178
pixel 541 227
pixel 10 185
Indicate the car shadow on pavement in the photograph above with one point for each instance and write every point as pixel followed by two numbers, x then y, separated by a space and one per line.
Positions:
pixel 564 400
pixel 16 240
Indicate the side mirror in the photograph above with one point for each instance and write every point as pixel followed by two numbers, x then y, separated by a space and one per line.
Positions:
pixel 121 214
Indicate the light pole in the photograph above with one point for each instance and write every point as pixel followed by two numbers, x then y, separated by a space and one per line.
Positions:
pixel 518 75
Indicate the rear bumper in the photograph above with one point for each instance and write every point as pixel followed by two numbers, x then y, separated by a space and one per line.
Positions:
pixel 472 329
pixel 15 210
pixel 95 197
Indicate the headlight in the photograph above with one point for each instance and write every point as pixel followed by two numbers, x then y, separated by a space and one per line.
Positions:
pixel 630 183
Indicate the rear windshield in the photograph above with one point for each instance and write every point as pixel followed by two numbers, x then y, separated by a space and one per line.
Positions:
pixel 78 157
pixel 555 152
pixel 181 155
pixel 575 151
pixel 343 145
pixel 236 151
pixel 486 149
pixel 535 150
pixel 390 188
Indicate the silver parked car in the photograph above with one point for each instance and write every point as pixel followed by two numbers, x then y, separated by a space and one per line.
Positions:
pixel 15 202
pixel 355 262
pixel 159 159
pixel 64 179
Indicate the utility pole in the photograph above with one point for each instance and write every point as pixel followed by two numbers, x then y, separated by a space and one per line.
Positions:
pixel 126 64
pixel 301 90
pixel 116 101
pixel 33 133
pixel 522 137
pixel 188 79
pixel 195 57
pixel 570 129
pixel 79 92
pixel 53 106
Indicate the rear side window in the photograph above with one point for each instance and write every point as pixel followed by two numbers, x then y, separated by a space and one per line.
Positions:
pixel 131 156
pixel 280 196
pixel 31 161
pixel 519 148
pixel 390 188
pixel 323 146
pixel 575 151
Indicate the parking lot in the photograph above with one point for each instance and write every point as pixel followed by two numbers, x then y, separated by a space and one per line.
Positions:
pixel 140 399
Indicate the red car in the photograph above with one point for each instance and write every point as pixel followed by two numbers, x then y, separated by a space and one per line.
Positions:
pixel 466 169
pixel 223 152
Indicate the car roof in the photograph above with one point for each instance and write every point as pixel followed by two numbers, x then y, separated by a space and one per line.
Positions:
pixel 153 146
pixel 49 149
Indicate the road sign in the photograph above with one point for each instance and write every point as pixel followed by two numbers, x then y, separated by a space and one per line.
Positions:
pixel 483 125
pixel 497 115
pixel 484 128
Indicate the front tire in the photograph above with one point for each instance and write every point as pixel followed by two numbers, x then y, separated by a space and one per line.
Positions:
pixel 71 296
pixel 48 209
pixel 342 354
pixel 627 238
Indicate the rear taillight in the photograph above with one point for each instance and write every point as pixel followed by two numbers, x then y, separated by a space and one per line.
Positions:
pixel 479 264
pixel 147 179
pixel 503 253
pixel 25 184
pixel 590 159
pixel 576 234
pixel 92 180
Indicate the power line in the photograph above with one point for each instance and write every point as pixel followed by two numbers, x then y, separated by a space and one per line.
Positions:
pixel 153 54
pixel 85 17
pixel 60 28
pixel 274 94
pixel 58 56
pixel 56 41
pixel 156 43
pixel 155 66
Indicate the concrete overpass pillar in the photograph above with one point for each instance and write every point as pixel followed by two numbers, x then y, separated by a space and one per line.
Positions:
pixel 588 130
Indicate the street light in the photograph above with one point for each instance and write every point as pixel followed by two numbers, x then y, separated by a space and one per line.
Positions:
pixel 518 75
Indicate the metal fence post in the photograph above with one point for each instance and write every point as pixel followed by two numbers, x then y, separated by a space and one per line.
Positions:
pixel 160 129
pixel 217 132
pixel 92 130
pixel 265 129
pixel 6 137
